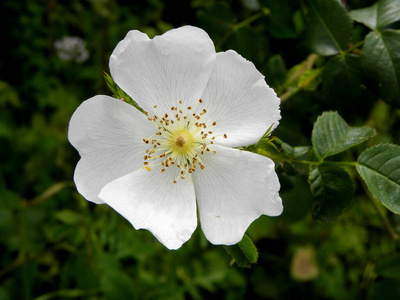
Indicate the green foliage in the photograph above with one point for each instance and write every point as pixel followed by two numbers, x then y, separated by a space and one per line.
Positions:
pixel 243 253
pixel 379 166
pixel 332 135
pixel 342 78
pixel 378 15
pixel 335 65
pixel 381 60
pixel 332 191
pixel 329 27
pixel 118 93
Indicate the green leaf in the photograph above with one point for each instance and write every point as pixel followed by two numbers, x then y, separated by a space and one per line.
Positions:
pixel 378 15
pixel 329 27
pixel 294 152
pixel 379 166
pixel 217 19
pixel 332 191
pixel 280 20
pixel 244 36
pixel 276 70
pixel 342 78
pixel 243 253
pixel 67 216
pixel 332 135
pixel 381 61
pixel 310 79
pixel 119 93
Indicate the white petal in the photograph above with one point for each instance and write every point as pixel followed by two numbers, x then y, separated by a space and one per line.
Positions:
pixel 233 190
pixel 149 200
pixel 171 67
pixel 108 134
pixel 240 101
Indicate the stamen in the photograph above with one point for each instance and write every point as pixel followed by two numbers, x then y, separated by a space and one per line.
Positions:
pixel 180 140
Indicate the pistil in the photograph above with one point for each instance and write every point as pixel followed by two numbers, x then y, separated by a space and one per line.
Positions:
pixel 179 140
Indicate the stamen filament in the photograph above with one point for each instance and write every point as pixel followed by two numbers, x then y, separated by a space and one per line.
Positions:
pixel 179 139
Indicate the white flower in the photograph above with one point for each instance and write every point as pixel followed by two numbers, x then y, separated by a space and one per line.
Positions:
pixel 72 48
pixel 154 169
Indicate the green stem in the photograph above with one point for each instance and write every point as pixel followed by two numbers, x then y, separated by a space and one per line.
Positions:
pixel 289 94
pixel 354 47
pixel 346 163
pixel 305 162
pixel 306 65
pixel 316 162
pixel 239 25
pixel 51 191
pixel 251 19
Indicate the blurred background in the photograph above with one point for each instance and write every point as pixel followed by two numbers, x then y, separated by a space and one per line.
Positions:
pixel 56 245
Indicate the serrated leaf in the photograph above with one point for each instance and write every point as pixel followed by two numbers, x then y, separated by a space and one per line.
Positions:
pixel 243 253
pixel 294 152
pixel 342 78
pixel 332 135
pixel 329 27
pixel 381 61
pixel 379 166
pixel 332 191
pixel 378 15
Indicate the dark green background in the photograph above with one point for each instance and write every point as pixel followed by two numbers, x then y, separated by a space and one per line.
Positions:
pixel 56 245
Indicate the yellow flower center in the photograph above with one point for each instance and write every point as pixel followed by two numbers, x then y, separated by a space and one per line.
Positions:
pixel 180 140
